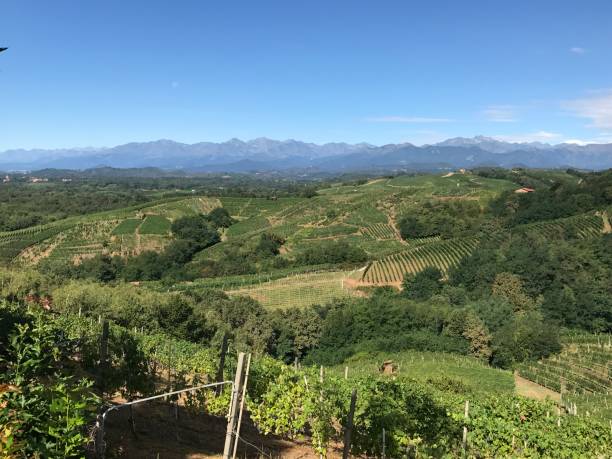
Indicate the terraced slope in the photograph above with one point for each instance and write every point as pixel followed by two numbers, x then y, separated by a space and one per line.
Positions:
pixel 582 373
pixel 582 226
pixel 15 242
pixel 440 254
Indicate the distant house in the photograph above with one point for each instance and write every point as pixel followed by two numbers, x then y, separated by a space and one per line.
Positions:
pixel 524 190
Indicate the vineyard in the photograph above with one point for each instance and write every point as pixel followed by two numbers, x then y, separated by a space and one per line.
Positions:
pixel 14 242
pixel 155 224
pixel 582 226
pixel 424 416
pixel 440 254
pixel 380 231
pixel 301 290
pixel 582 373
pixel 127 226
pixel 431 367
pixel 248 227
pixel 182 207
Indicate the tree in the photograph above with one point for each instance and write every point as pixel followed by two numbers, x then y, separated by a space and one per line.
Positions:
pixel 424 284
pixel 412 227
pixel 510 287
pixel 467 324
pixel 526 337
pixel 269 245
pixel 197 229
pixel 220 218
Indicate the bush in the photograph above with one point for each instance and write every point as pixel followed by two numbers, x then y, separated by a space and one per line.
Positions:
pixel 332 252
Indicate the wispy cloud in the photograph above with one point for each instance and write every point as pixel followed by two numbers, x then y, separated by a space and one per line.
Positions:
pixel 500 113
pixel 407 119
pixel 597 108
pixel 538 136
pixel 577 50
pixel 174 84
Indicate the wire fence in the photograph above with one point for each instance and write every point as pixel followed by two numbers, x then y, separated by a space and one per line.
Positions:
pixel 100 444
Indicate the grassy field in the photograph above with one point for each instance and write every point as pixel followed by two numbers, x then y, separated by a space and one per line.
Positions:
pixel 128 226
pixel 424 366
pixel 301 290
pixel 155 224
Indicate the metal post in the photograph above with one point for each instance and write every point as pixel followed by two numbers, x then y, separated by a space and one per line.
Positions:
pixel 231 422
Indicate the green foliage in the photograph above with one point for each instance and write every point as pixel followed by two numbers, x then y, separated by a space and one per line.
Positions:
pixel 424 284
pixel 568 282
pixel 220 218
pixel 42 412
pixel 513 426
pixel 447 218
pixel 562 199
pixel 155 224
pixel 127 226
pixel 195 228
pixel 335 252
pixel 24 205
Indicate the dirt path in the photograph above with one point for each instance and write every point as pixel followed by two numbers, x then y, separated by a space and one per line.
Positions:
pixel 607 228
pixel 530 389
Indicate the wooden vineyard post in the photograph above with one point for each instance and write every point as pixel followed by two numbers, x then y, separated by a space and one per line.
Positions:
pixel 348 429
pixel 465 429
pixel 103 353
pixel 242 400
pixel 219 376
pixel 384 439
pixel 233 411
pixel 132 421
pixel 346 372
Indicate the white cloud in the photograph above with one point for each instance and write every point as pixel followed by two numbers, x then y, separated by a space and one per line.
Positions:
pixel 500 113
pixel 577 142
pixel 407 119
pixel 174 84
pixel 577 50
pixel 597 108
pixel 539 136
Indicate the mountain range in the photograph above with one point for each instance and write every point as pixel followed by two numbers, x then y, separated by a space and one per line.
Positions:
pixel 266 155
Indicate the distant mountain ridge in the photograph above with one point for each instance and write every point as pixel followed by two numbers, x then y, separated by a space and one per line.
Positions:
pixel 265 155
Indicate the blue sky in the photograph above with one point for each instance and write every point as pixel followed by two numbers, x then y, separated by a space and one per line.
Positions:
pixel 101 73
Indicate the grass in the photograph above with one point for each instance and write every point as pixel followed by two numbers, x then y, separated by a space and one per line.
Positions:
pixel 128 226
pixel 247 226
pixel 155 224
pixel 423 366
pixel 300 290
pixel 184 207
